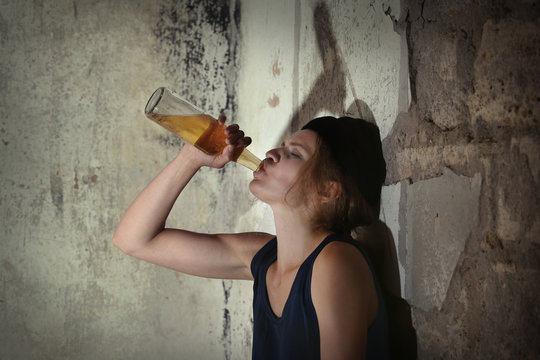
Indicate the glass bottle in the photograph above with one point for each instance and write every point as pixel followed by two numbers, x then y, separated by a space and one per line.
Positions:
pixel 193 125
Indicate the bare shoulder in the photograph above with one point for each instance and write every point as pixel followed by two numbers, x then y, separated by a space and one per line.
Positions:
pixel 341 258
pixel 341 270
pixel 345 300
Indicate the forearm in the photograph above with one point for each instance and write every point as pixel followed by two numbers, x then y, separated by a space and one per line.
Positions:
pixel 146 216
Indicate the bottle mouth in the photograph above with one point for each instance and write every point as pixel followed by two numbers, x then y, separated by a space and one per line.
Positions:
pixel 154 101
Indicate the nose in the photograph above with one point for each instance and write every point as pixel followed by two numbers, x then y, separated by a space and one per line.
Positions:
pixel 273 155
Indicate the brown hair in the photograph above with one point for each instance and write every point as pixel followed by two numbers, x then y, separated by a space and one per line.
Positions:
pixel 349 211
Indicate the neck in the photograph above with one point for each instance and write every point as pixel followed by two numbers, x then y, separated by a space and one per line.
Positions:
pixel 296 237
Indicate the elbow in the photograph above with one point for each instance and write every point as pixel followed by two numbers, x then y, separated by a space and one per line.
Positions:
pixel 132 241
pixel 118 243
pixel 122 243
pixel 129 243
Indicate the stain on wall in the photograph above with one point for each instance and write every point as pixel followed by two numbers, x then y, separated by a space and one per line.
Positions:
pixel 273 101
pixel 200 42
pixel 226 334
pixel 76 149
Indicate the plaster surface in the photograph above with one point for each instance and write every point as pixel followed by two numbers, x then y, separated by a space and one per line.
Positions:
pixel 441 214
pixel 452 85
pixel 76 149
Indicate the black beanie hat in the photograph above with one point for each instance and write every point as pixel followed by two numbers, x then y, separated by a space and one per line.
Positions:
pixel 355 145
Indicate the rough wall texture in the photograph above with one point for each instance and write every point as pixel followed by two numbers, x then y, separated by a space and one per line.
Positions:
pixel 472 234
pixel 76 149
pixel 462 145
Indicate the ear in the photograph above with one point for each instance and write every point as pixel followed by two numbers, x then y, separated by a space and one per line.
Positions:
pixel 331 191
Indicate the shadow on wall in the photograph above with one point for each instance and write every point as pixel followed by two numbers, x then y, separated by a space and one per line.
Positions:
pixel 328 92
pixel 327 95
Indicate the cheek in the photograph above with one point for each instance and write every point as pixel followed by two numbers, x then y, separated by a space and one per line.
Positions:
pixel 293 191
pixel 295 195
pixel 289 175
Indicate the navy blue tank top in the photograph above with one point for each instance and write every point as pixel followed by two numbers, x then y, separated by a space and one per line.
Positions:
pixel 295 335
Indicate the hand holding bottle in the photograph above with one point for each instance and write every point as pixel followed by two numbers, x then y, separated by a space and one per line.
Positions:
pixel 236 143
pixel 196 127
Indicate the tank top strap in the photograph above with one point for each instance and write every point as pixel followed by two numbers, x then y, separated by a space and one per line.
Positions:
pixel 335 237
pixel 331 238
pixel 306 270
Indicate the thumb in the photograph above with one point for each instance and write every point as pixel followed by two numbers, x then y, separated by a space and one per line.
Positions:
pixel 225 156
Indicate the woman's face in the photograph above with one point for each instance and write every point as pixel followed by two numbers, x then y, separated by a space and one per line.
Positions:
pixel 282 166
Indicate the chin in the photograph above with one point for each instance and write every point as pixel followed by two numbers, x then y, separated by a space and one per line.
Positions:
pixel 256 190
pixel 253 188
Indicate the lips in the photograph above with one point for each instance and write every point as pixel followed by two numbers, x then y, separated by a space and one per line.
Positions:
pixel 261 169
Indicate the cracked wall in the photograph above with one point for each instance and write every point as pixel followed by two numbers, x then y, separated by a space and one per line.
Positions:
pixel 466 154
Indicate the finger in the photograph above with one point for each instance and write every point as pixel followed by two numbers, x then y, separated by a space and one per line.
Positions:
pixel 246 141
pixel 233 139
pixel 231 129
pixel 243 141
pixel 221 119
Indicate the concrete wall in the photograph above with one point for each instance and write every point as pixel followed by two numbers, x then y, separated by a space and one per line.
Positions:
pixel 451 86
pixel 76 149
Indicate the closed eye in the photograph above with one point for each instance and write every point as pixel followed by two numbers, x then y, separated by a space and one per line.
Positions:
pixel 294 150
pixel 295 155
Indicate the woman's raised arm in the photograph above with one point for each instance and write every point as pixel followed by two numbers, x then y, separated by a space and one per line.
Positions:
pixel 141 232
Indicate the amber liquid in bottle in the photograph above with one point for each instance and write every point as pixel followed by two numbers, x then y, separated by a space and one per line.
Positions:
pixel 206 134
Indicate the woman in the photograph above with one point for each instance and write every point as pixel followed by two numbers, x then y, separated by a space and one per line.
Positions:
pixel 315 293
